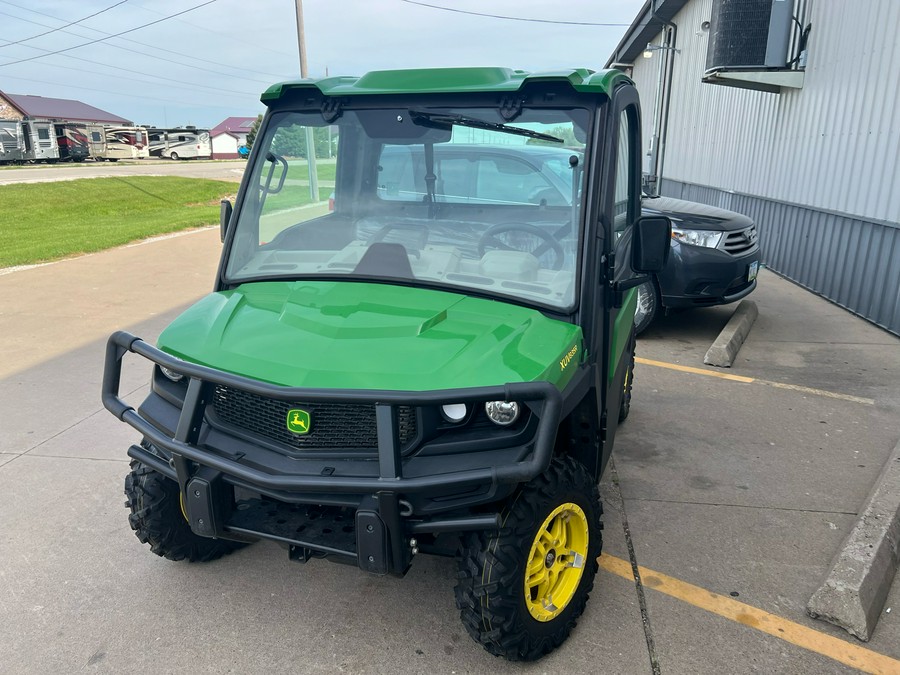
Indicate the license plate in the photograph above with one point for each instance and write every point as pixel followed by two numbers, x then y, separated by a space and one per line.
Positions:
pixel 753 270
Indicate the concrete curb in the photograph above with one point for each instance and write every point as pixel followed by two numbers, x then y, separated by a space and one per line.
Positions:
pixel 728 344
pixel 855 590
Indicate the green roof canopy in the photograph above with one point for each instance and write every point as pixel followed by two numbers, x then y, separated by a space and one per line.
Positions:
pixel 445 80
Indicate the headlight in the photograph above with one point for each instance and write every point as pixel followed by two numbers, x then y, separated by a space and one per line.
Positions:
pixel 705 238
pixel 503 413
pixel 454 412
pixel 171 374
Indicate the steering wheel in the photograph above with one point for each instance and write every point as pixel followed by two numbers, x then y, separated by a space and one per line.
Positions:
pixel 490 240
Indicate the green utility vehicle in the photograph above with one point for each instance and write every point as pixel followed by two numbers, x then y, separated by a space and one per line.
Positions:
pixel 434 360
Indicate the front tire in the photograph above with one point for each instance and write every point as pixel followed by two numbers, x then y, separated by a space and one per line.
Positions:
pixel 522 589
pixel 158 520
pixel 648 303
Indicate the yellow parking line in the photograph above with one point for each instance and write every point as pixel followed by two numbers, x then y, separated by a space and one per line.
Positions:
pixel 834 648
pixel 696 371
pixel 819 392
pixel 749 380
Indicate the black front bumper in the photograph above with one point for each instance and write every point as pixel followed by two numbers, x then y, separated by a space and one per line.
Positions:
pixel 380 493
pixel 701 277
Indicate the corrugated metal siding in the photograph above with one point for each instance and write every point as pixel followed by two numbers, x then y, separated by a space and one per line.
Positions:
pixel 832 145
pixel 644 73
pixel 852 262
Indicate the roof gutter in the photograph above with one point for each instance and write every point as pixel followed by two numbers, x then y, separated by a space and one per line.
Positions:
pixel 645 27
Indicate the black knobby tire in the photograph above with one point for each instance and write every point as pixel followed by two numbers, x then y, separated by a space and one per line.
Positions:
pixel 157 520
pixel 648 306
pixel 625 404
pixel 490 593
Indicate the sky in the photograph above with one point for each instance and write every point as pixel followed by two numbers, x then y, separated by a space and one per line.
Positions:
pixel 214 61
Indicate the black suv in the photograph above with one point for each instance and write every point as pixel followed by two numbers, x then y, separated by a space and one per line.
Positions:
pixel 713 261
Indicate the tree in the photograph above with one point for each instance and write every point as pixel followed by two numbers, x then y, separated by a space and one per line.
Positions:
pixel 291 141
pixel 251 135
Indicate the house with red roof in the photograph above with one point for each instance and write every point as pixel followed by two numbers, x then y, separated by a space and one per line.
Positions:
pixel 228 135
pixel 27 107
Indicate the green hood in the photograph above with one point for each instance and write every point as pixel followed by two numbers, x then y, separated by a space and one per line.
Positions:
pixel 327 334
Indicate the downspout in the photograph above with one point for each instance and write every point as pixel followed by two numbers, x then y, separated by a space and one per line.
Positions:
pixel 670 54
pixel 654 139
pixel 661 106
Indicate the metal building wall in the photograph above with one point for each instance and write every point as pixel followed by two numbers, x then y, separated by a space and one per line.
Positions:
pixel 853 262
pixel 815 167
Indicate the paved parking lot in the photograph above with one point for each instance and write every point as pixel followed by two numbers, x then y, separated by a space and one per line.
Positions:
pixel 732 494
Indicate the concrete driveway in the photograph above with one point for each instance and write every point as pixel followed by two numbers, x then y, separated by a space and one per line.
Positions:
pixel 230 170
pixel 722 491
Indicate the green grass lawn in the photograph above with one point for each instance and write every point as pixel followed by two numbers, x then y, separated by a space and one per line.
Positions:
pixel 292 196
pixel 325 170
pixel 46 221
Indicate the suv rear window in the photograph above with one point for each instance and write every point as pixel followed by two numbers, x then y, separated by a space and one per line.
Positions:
pixel 468 174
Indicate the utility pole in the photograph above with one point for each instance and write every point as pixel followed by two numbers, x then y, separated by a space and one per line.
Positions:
pixel 301 40
pixel 310 139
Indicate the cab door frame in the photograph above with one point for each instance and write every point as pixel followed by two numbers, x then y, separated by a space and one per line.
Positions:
pixel 618 319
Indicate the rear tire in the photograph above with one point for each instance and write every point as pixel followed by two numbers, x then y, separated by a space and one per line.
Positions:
pixel 522 589
pixel 648 303
pixel 157 519
pixel 173 156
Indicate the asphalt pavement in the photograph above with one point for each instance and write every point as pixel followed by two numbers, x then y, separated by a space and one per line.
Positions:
pixel 730 495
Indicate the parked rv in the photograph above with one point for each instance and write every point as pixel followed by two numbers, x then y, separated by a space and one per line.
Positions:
pixel 115 143
pixel 71 137
pixel 39 137
pixel 12 146
pixel 180 143
pixel 28 141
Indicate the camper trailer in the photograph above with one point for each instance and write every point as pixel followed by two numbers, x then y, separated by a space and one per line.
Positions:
pixel 115 143
pixel 181 143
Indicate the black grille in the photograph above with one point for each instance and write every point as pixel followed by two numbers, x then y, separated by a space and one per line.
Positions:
pixel 740 241
pixel 346 426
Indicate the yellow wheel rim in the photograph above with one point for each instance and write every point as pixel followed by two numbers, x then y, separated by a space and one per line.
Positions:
pixel 556 562
pixel 181 504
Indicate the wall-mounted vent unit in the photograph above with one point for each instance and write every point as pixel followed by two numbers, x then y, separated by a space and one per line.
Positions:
pixel 749 33
pixel 749 42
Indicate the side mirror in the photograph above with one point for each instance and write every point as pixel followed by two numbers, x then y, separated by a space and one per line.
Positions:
pixel 650 245
pixel 225 210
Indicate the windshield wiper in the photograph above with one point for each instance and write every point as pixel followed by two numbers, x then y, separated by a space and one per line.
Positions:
pixel 446 120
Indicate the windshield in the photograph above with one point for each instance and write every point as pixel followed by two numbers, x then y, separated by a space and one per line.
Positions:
pixel 457 198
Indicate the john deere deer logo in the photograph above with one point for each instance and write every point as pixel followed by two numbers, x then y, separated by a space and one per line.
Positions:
pixel 298 421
